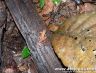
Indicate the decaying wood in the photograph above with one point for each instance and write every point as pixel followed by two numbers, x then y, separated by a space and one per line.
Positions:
pixel 31 26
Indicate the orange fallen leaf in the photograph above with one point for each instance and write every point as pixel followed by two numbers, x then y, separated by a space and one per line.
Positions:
pixel 53 27
pixel 48 7
pixel 42 36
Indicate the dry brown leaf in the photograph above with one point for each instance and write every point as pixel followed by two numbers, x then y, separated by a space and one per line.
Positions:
pixel 9 70
pixel 23 67
pixel 53 27
pixel 48 7
pixel 42 36
pixel 87 7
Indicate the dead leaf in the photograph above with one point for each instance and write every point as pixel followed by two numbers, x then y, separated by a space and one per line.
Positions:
pixel 9 70
pixel 42 36
pixel 53 27
pixel 87 7
pixel 48 7
pixel 23 67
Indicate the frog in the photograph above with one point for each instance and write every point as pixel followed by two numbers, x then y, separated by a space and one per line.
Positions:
pixel 75 43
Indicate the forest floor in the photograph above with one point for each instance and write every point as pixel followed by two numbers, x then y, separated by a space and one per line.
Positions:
pixel 52 15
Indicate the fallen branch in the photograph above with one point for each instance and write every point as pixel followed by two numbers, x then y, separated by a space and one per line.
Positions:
pixel 32 27
pixel 2 24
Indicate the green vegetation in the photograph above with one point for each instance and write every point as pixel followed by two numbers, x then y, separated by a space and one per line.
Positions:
pixel 25 52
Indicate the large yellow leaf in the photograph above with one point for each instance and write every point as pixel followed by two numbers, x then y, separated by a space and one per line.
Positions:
pixel 76 45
